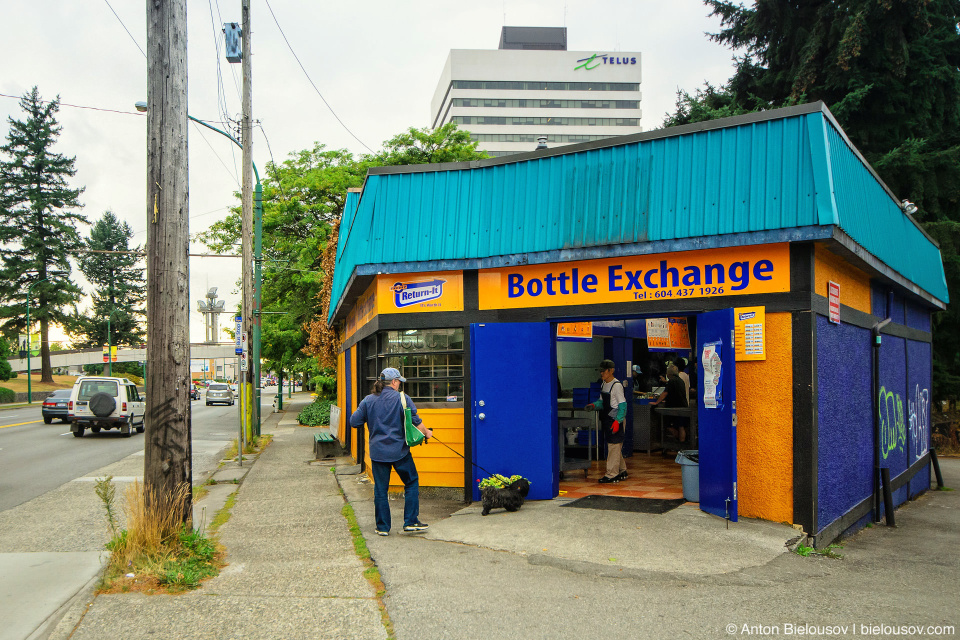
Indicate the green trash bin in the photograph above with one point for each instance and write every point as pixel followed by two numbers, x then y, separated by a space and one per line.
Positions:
pixel 689 462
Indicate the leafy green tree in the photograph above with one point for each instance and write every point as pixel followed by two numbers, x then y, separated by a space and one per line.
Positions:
pixel 113 269
pixel 303 200
pixel 889 70
pixel 38 224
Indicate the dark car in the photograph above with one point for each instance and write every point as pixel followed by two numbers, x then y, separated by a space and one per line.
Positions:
pixel 55 406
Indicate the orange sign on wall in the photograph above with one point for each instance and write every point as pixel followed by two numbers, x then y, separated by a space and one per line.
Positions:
pixel 420 292
pixel 688 274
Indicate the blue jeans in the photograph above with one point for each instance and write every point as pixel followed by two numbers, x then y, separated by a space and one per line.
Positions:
pixel 407 471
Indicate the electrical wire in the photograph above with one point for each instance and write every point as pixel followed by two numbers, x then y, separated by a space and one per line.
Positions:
pixel 276 172
pixel 289 46
pixel 234 171
pixel 127 30
pixel 77 106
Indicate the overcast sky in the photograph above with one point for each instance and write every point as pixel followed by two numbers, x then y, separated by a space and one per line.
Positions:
pixel 376 62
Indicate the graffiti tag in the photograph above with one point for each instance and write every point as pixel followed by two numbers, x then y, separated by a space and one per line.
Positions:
pixel 920 421
pixel 893 429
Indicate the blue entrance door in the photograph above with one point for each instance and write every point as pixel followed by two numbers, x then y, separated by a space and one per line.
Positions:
pixel 717 413
pixel 512 377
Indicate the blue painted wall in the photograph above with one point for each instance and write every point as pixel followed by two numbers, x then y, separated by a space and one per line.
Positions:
pixel 919 389
pixel 918 317
pixel 845 429
pixel 845 420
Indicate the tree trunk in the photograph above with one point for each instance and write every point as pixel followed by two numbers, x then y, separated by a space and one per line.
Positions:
pixel 167 463
pixel 46 371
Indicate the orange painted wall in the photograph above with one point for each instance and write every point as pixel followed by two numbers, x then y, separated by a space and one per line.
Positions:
pixel 854 283
pixel 765 427
pixel 437 466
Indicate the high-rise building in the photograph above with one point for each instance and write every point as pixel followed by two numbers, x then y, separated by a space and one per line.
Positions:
pixel 531 86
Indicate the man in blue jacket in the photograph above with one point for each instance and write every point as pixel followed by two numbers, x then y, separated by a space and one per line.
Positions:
pixel 382 410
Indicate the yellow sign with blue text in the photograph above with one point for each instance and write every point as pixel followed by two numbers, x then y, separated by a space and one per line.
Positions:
pixel 705 273
pixel 420 292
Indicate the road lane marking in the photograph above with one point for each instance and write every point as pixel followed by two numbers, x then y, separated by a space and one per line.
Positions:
pixel 20 424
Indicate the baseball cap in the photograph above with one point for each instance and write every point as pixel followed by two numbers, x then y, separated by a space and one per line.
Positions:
pixel 607 364
pixel 391 374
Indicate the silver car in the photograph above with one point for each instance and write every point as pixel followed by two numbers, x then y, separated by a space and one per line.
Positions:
pixel 219 393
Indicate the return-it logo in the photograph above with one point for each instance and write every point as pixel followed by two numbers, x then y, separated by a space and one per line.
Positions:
pixel 410 293
pixel 598 59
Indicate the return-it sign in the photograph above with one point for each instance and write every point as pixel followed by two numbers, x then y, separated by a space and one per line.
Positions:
pixel 421 292
pixel 688 274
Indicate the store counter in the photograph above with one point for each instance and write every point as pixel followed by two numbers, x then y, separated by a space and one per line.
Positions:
pixel 690 413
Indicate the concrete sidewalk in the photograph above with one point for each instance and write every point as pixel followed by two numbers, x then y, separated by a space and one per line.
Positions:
pixel 292 573
pixel 546 571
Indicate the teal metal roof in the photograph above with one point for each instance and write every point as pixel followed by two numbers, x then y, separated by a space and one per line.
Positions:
pixel 787 174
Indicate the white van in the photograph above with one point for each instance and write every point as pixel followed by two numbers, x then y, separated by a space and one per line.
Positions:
pixel 100 402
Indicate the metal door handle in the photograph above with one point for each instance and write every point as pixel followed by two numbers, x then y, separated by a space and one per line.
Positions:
pixel 482 416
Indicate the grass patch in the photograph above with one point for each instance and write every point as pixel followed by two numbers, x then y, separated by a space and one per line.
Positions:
pixel 371 573
pixel 156 552
pixel 224 514
pixel 200 492
pixel 829 552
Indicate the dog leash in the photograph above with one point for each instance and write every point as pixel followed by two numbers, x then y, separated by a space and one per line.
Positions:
pixel 498 475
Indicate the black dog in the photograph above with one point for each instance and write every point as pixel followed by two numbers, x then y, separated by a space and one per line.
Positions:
pixel 510 497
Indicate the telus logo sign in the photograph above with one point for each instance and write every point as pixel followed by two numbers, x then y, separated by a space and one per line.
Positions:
pixel 598 59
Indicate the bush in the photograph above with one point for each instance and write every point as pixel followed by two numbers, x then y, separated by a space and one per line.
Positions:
pixel 8 395
pixel 316 414
pixel 6 371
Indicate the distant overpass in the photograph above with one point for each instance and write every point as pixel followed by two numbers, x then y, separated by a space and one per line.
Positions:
pixel 80 357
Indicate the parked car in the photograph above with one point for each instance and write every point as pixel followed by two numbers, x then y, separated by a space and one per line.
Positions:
pixel 55 406
pixel 219 393
pixel 194 392
pixel 101 402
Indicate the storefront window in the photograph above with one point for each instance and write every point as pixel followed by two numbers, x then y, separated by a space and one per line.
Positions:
pixel 430 359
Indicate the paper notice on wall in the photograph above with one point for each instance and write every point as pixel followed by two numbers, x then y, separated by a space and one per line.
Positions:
pixel 712 364
pixel 667 333
pixel 749 324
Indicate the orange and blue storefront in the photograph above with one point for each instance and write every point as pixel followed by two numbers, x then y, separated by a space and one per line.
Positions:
pixel 762 249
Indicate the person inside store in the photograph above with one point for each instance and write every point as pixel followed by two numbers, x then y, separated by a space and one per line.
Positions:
pixel 382 410
pixel 674 396
pixel 612 406
pixel 681 366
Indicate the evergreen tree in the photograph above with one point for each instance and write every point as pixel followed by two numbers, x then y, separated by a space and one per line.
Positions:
pixel 113 269
pixel 38 218
pixel 889 70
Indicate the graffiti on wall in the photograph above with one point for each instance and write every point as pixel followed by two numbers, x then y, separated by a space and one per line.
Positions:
pixel 920 421
pixel 893 428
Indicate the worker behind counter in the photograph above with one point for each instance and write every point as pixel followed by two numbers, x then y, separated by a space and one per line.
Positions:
pixel 674 395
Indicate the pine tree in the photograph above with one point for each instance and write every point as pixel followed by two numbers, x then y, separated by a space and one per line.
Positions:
pixel 889 70
pixel 113 269
pixel 38 218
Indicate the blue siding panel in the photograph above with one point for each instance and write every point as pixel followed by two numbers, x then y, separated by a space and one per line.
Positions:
pixel 786 172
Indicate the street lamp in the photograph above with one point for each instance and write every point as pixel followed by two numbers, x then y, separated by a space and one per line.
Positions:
pixel 142 107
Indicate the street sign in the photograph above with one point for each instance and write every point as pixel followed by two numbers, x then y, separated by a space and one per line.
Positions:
pixel 243 342
pixel 243 361
pixel 239 348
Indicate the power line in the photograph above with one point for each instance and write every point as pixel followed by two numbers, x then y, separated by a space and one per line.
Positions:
pixel 311 81
pixel 200 131
pixel 77 106
pixel 127 30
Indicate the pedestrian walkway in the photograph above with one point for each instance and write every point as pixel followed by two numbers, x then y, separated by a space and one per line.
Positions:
pixel 292 572
pixel 546 571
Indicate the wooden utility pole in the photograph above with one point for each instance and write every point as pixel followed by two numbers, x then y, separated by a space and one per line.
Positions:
pixel 167 464
pixel 246 138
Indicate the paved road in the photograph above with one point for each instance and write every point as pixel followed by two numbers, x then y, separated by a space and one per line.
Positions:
pixel 37 458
